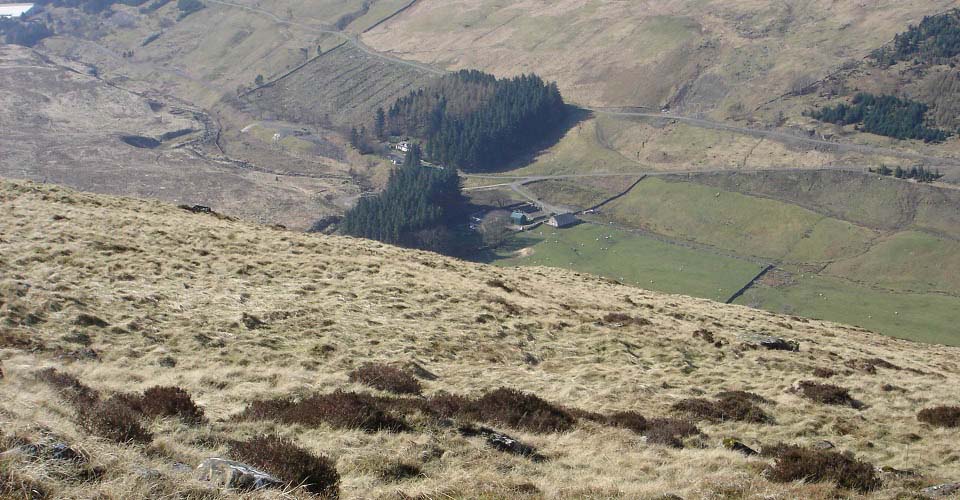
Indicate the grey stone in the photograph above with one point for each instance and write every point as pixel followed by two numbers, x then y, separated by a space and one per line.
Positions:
pixel 822 445
pixel 770 342
pixel 941 490
pixel 737 445
pixel 230 474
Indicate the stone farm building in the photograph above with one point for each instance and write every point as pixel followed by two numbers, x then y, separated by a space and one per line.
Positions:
pixel 562 220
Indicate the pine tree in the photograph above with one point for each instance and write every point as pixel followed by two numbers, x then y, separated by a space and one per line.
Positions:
pixel 380 125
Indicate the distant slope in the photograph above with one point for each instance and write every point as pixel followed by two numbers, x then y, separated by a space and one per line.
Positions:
pixel 341 88
pixel 129 294
pixel 64 126
pixel 718 57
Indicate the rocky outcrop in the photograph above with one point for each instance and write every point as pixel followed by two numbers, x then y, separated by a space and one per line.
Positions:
pixel 737 445
pixel 230 474
pixel 769 342
pixel 941 491
pixel 503 442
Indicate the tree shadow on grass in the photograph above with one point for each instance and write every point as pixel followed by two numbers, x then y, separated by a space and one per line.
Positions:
pixel 574 116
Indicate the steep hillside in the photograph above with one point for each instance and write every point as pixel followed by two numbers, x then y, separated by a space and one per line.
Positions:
pixel 341 88
pixel 126 295
pixel 718 57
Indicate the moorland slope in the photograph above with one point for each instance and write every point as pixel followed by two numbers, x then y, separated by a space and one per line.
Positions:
pixel 126 295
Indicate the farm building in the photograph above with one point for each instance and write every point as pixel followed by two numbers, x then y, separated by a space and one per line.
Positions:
pixel 562 220
pixel 518 218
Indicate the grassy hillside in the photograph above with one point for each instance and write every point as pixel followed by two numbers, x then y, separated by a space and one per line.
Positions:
pixel 126 295
pixel 737 222
pixel 718 57
pixel 341 88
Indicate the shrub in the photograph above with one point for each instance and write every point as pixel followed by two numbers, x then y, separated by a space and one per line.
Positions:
pixel 749 396
pixel 115 420
pixel 870 365
pixel 69 387
pixel 521 410
pixel 446 405
pixel 794 463
pixel 669 431
pixel 941 416
pixel 627 420
pixel 290 463
pixel 386 378
pixel 732 407
pixel 344 410
pixel 827 394
pixel 823 372
pixel 622 319
pixel 170 402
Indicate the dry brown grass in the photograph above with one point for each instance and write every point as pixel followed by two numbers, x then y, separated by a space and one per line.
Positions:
pixel 328 305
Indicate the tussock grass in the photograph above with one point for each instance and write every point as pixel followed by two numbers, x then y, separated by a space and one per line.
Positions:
pixel 595 404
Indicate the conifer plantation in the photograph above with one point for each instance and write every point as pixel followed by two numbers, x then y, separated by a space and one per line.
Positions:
pixel 473 121
pixel 884 115
pixel 417 209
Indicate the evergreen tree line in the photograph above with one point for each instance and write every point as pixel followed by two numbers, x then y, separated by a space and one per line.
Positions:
pixel 936 40
pixel 472 120
pixel 883 115
pixel 417 208
pixel 919 174
pixel 26 33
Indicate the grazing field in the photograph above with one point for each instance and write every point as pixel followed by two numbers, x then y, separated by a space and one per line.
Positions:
pixel 745 224
pixel 922 317
pixel 630 259
pixel 140 340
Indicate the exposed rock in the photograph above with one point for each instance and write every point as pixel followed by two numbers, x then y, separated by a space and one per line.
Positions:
pixel 55 451
pixel 941 490
pixel 770 342
pixel 147 474
pixel 2 374
pixel 503 442
pixel 181 468
pixel 822 445
pixel 230 474
pixel 251 322
pixel 420 372
pixel 737 445
pixel 886 469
